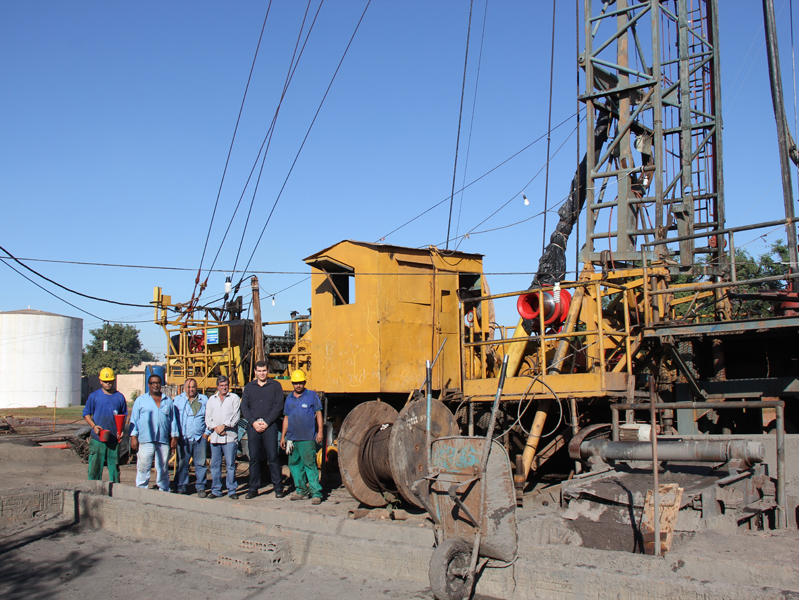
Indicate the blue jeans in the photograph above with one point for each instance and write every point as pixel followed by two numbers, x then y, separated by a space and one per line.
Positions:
pixel 144 462
pixel 229 450
pixel 191 449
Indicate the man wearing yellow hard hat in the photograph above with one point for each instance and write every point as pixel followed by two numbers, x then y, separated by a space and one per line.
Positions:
pixel 302 431
pixel 103 407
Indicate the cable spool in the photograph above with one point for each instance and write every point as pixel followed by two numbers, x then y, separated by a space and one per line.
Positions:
pixel 373 459
pixel 352 435
pixel 381 451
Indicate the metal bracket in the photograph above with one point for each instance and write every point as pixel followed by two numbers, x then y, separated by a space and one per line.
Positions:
pixel 697 392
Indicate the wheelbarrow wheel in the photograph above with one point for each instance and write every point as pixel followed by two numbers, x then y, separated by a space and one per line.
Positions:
pixel 449 569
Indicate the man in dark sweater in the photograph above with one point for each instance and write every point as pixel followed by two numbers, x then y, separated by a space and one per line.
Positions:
pixel 262 405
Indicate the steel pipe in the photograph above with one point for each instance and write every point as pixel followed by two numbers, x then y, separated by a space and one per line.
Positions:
pixel 668 450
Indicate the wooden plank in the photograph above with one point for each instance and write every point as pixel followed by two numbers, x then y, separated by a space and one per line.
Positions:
pixel 670 498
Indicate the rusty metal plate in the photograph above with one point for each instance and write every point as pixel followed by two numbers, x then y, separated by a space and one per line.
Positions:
pixel 457 460
pixel 407 448
pixel 360 420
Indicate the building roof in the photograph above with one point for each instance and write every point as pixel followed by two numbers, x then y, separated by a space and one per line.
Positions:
pixel 393 248
pixel 29 311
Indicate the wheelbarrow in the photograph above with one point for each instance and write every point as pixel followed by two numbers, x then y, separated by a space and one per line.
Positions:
pixel 472 501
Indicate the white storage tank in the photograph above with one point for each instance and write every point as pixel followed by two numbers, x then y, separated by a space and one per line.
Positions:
pixel 40 359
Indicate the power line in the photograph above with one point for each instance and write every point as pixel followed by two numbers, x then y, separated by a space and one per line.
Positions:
pixel 471 122
pixel 230 150
pixel 51 293
pixel 265 143
pixel 308 133
pixel 549 127
pixel 517 194
pixel 486 174
pixel 63 287
pixel 460 117
pixel 289 76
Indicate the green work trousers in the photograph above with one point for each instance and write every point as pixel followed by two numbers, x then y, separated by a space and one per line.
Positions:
pixel 103 453
pixel 302 464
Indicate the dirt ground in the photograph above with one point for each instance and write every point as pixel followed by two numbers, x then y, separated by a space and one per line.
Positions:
pixel 50 558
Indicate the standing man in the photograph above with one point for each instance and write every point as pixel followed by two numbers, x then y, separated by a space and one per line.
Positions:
pixel 153 419
pixel 190 408
pixel 302 426
pixel 99 412
pixel 222 416
pixel 261 406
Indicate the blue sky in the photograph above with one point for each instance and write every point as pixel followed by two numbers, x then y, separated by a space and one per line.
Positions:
pixel 118 116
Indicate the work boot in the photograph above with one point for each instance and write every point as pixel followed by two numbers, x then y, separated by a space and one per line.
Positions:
pixel 316 500
pixel 299 496
pixel 201 494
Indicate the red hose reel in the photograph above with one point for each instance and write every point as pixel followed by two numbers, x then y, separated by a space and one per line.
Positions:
pixel 555 302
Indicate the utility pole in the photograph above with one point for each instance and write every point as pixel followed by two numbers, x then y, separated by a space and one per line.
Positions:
pixel 782 126
pixel 257 326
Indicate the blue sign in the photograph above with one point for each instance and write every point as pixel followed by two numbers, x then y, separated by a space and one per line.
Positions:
pixel 212 336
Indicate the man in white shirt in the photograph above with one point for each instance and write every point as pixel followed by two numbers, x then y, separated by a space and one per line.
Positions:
pixel 222 415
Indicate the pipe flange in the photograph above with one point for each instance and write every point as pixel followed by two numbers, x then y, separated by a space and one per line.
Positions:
pixel 582 435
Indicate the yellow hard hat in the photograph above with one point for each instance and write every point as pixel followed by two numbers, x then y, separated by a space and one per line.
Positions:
pixel 107 374
pixel 298 376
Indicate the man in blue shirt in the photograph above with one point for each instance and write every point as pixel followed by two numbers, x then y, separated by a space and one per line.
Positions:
pixel 99 412
pixel 153 431
pixel 190 408
pixel 302 426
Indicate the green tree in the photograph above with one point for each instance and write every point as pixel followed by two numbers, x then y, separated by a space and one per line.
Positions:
pixel 124 350
pixel 774 262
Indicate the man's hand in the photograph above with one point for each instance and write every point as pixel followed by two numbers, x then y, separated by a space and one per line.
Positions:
pixel 173 443
pixel 283 442
pixel 205 437
pixel 134 443
pixel 220 429
pixel 259 426
pixel 97 429
pixel 318 437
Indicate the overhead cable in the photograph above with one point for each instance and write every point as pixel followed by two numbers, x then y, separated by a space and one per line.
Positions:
pixel 230 150
pixel 486 174
pixel 460 117
pixel 517 194
pixel 264 144
pixel 549 126
pixel 296 158
pixel 63 287
pixel 51 293
pixel 289 76
pixel 471 121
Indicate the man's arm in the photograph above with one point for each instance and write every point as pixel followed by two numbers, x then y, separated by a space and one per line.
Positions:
pixel 173 442
pixel 283 432
pixel 245 405
pixel 88 412
pixel 319 430
pixel 235 414
pixel 134 426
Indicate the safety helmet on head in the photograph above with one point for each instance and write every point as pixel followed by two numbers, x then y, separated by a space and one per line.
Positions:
pixel 298 376
pixel 107 374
